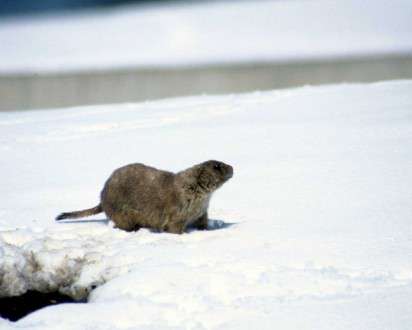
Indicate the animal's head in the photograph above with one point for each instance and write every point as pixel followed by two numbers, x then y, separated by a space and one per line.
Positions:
pixel 213 174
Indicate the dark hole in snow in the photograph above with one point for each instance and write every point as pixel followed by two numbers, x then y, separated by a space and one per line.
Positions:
pixel 14 308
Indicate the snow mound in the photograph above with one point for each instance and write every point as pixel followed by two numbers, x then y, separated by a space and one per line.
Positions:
pixel 70 261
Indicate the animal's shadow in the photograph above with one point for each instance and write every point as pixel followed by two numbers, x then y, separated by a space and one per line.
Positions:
pixel 213 224
pixel 102 221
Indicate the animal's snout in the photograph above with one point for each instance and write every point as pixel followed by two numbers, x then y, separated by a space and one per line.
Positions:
pixel 229 172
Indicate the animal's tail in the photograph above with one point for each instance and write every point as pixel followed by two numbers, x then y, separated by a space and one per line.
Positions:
pixel 80 214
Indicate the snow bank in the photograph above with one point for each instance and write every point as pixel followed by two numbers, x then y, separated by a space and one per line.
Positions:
pixel 313 231
pixel 204 33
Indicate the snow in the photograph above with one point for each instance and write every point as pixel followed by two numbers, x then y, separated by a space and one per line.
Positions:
pixel 186 34
pixel 312 232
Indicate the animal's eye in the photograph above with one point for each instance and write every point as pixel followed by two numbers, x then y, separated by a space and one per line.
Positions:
pixel 216 166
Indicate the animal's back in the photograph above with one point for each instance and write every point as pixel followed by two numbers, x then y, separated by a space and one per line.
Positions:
pixel 137 194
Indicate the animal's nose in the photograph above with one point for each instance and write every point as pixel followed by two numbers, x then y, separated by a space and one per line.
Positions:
pixel 229 172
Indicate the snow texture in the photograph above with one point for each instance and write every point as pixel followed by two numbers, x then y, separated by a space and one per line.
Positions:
pixel 312 232
pixel 205 33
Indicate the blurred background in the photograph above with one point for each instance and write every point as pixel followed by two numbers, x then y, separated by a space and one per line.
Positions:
pixel 26 7
pixel 57 53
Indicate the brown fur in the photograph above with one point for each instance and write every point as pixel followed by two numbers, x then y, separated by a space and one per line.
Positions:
pixel 137 196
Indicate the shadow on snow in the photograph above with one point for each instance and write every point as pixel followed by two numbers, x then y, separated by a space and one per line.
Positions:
pixel 214 224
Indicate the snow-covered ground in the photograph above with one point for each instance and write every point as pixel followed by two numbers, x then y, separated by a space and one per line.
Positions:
pixel 313 231
pixel 202 33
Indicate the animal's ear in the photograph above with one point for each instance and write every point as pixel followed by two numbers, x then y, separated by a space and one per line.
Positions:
pixel 203 179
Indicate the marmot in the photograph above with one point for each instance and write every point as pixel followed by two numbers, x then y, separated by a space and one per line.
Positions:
pixel 138 196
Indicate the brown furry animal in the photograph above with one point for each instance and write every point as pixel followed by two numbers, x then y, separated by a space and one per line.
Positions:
pixel 137 196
